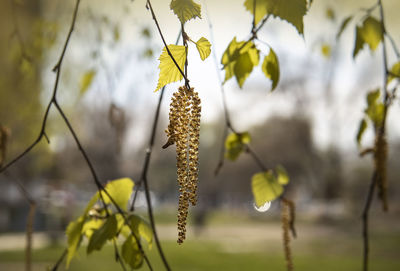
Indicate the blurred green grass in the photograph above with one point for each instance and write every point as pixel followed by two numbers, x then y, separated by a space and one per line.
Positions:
pixel 336 252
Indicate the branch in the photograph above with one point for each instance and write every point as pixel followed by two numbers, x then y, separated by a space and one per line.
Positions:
pixel 365 215
pixel 53 101
pixel 148 4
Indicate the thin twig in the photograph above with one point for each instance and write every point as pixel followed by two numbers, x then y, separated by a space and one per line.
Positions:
pixel 165 44
pixel 60 260
pixel 365 216
pixel 118 255
pixel 379 133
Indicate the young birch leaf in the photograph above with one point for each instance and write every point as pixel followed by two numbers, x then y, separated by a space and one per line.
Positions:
pixel 362 128
pixel 343 26
pixel 142 228
pixel 265 188
pixel 100 236
pixel 373 96
pixel 291 11
pixel 326 50
pixel 270 67
pixel 74 238
pixel 204 48
pixel 120 190
pixel 394 72
pixel 131 253
pixel 235 145
pixel 87 80
pixel 168 71
pixel 375 108
pixel 90 226
pixel 243 68
pixel 370 33
pixel 185 9
pixel 282 176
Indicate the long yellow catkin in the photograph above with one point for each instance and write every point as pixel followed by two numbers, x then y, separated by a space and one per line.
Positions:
pixel 380 161
pixel 285 216
pixel 184 131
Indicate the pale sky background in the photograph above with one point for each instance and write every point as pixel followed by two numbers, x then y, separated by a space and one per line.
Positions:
pixel 127 79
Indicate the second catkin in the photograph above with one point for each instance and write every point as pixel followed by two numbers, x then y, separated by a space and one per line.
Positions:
pixel 184 131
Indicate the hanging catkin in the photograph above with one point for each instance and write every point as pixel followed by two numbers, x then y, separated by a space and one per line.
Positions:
pixel 380 160
pixel 184 131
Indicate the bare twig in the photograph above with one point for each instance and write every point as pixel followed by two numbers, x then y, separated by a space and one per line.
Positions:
pixel 60 260
pixel 365 216
pixel 118 255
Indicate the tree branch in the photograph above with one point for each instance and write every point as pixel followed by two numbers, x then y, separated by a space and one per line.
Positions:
pixel 165 44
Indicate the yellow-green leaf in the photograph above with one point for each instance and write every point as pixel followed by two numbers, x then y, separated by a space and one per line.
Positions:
pixel 281 175
pixel 168 71
pixel 362 128
pixel 394 72
pixel 375 109
pixel 90 226
pixel 239 59
pixel 270 67
pixel 142 228
pixel 291 11
pixel 74 238
pixel 343 26
pixel 326 50
pixel 186 9
pixel 100 236
pixel 131 254
pixel 204 48
pixel 235 144
pixel 120 190
pixel 370 33
pixel 330 14
pixel 87 80
pixel 265 188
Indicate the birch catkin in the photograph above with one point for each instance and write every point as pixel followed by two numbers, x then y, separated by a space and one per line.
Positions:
pixel 184 131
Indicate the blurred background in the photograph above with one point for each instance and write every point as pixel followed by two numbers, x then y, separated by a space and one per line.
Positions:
pixel 308 125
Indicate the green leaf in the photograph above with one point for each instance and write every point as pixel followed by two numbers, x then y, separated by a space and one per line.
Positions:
pixel 343 26
pixel 394 72
pixel 74 238
pixel 204 48
pixel 120 190
pixel 265 188
pixel 375 109
pixel 100 236
pixel 369 33
pixel 243 68
pixel 185 9
pixel 90 226
pixel 270 67
pixel 239 59
pixel 361 130
pixel 373 96
pixel 235 144
pixel 131 253
pixel 282 176
pixel 326 50
pixel 330 14
pixel 87 80
pixel 168 71
pixel 291 11
pixel 142 228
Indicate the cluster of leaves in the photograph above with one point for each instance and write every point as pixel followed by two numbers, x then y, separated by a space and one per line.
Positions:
pixel 102 224
pixel 266 186
pixel 174 56
pixel 240 57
